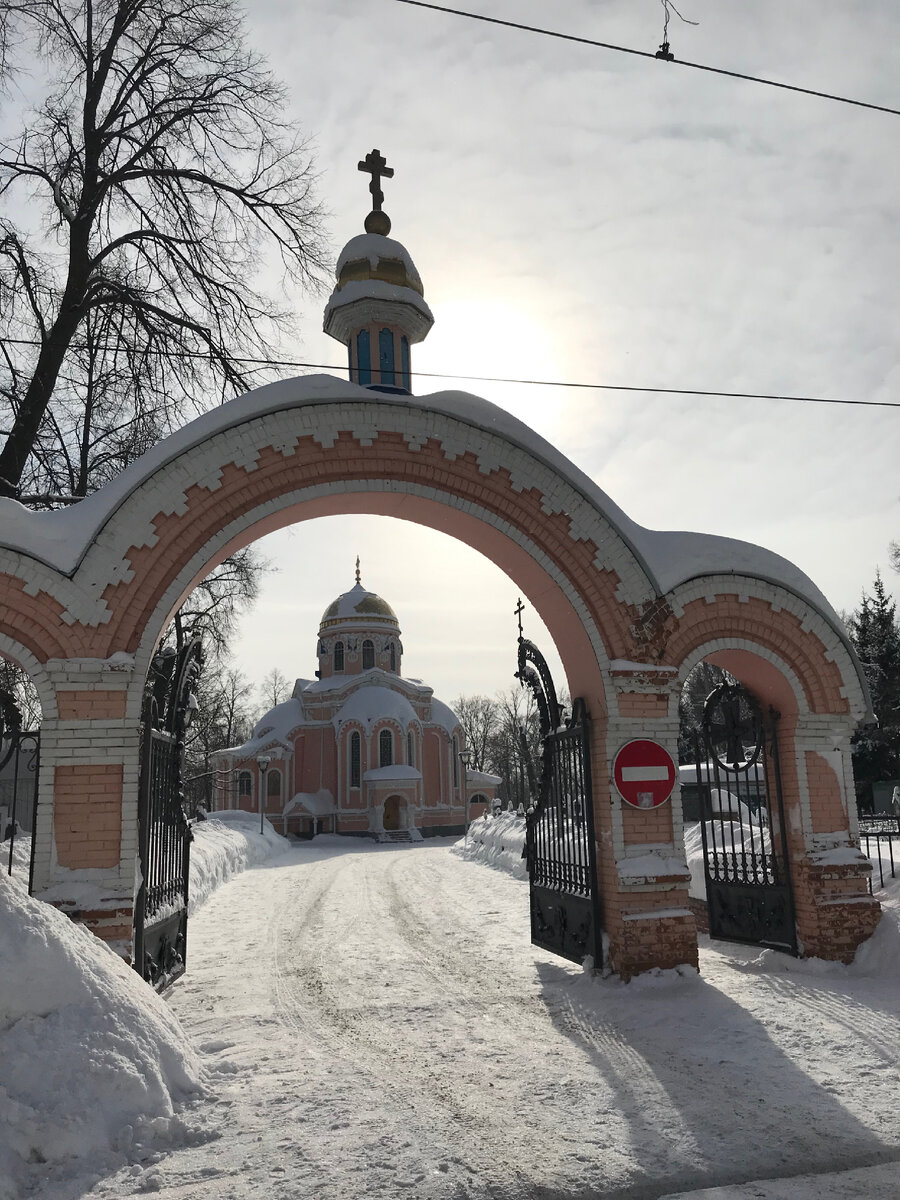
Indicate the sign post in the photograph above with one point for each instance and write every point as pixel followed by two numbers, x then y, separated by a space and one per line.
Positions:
pixel 644 773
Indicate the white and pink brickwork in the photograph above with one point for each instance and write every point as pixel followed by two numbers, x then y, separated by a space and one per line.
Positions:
pixel 86 594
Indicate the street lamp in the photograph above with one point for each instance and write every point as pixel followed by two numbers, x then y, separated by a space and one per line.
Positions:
pixel 465 757
pixel 262 761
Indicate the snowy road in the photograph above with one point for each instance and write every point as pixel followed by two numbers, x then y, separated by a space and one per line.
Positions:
pixel 375 1023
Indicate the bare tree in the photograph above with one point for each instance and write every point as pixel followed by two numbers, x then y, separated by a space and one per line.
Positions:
pixel 19 686
pixel 213 607
pixel 274 688
pixel 479 717
pixel 165 171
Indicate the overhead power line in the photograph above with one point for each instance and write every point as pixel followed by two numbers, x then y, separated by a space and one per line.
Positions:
pixel 557 383
pixel 661 57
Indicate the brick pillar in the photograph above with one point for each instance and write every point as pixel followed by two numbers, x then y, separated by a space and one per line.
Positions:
pixel 829 874
pixel 86 829
pixel 643 874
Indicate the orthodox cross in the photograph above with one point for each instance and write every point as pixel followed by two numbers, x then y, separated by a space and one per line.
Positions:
pixel 357 568
pixel 519 609
pixel 375 164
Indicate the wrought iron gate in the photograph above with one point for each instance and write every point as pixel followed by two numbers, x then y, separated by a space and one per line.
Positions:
pixel 164 832
pixel 748 886
pixel 20 754
pixel 560 850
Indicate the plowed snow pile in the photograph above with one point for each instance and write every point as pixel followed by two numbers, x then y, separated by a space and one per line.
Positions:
pixel 89 1055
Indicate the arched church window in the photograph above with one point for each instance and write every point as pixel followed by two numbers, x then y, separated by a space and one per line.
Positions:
pixel 363 357
pixel 393 657
pixel 273 783
pixel 338 656
pixel 245 784
pixel 454 752
pixel 404 363
pixel 386 356
pixel 368 652
pixel 355 760
pixel 385 748
pixel 410 749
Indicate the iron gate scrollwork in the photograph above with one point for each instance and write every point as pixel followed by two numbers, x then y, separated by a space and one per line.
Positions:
pixel 20 754
pixel 164 832
pixel 748 886
pixel 559 848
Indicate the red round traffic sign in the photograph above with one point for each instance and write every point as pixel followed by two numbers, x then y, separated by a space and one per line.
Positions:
pixel 644 773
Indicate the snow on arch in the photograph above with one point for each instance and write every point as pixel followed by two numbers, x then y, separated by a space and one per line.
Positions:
pixel 60 539
pixel 93 540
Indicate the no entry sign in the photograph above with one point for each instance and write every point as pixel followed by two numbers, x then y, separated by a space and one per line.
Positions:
pixel 644 773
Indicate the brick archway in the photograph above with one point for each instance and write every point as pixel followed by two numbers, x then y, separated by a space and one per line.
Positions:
pixel 88 593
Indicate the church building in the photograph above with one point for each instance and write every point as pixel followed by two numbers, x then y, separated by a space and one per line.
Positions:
pixel 359 749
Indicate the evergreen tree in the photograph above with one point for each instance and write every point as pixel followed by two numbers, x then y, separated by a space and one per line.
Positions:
pixel 875 635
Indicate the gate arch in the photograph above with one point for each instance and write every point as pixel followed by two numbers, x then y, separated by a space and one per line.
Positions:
pixel 89 591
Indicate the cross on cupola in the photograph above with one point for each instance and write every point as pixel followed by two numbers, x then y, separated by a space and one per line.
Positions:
pixel 375 164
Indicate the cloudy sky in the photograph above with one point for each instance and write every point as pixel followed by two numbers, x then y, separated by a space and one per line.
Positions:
pixel 586 216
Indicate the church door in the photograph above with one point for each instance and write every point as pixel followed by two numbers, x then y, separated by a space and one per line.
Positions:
pixel 392 812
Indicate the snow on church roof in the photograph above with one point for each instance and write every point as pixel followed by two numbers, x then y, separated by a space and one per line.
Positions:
pixel 358 606
pixel 372 703
pixel 444 716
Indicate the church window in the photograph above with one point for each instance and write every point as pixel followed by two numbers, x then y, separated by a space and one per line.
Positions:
pixel 386 356
pixel 393 657
pixel 273 786
pixel 404 363
pixel 410 749
pixel 338 656
pixel 363 358
pixel 454 751
pixel 355 760
pixel 385 748
pixel 368 655
pixel 245 784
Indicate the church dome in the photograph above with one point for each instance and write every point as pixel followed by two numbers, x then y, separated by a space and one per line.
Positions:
pixel 359 607
pixel 372 256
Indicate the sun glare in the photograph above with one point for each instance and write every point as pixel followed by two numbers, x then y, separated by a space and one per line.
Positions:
pixel 493 338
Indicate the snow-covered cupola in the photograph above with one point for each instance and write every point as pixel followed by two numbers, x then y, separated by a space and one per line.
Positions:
pixel 377 309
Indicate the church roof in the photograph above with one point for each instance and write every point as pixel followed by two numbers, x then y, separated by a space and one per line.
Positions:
pixel 368 704
pixel 357 606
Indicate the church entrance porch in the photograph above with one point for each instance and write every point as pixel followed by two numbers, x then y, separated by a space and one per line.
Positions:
pixel 394 816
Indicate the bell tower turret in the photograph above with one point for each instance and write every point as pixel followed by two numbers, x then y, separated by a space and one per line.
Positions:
pixel 377 309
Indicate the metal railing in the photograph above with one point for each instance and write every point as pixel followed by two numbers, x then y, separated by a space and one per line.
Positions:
pixel 884 832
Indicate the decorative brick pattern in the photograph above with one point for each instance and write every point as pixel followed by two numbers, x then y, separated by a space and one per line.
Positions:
pixel 87 639
pixel 90 705
pixel 88 815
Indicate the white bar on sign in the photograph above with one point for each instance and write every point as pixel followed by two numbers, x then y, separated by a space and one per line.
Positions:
pixel 643 774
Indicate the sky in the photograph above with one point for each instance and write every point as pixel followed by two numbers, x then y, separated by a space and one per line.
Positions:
pixel 582 215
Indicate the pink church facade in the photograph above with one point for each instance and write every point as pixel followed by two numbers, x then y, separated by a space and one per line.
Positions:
pixel 358 750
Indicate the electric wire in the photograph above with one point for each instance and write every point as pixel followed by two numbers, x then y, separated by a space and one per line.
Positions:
pixel 557 383
pixel 660 57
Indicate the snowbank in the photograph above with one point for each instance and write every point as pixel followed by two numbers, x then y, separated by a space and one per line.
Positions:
pixel 497 842
pixel 91 1060
pixel 225 844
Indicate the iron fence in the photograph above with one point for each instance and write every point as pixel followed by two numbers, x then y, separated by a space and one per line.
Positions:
pixel 884 832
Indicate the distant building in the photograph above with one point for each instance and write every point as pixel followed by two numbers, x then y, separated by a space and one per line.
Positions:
pixel 358 750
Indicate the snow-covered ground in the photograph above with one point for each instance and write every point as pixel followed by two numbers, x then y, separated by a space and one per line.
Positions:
pixel 372 1021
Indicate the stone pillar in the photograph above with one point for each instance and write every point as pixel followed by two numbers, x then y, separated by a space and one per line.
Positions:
pixel 86 828
pixel 829 874
pixel 641 864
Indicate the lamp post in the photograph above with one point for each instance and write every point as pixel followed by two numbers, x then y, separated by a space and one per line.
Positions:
pixel 262 761
pixel 465 757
